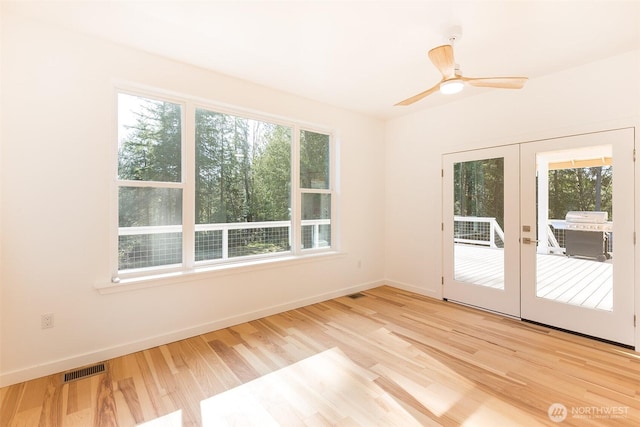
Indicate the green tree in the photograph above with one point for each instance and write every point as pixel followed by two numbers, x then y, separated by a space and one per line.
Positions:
pixel 580 189
pixel 151 150
pixel 272 176
pixel 314 160
pixel 242 174
pixel 479 189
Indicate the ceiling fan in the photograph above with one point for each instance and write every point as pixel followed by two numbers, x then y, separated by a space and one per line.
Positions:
pixel 452 79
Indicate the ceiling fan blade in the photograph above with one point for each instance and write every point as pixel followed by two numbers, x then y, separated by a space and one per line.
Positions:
pixel 442 58
pixel 497 82
pixel 419 96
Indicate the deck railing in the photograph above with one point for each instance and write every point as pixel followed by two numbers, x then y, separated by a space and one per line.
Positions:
pixel 476 230
pixel 485 231
pixel 162 245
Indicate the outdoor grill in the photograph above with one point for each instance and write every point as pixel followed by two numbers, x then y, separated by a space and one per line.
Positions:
pixel 587 234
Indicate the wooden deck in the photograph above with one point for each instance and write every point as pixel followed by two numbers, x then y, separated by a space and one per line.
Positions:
pixel 574 281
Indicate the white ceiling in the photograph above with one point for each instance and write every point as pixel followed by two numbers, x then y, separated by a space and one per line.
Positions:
pixel 360 55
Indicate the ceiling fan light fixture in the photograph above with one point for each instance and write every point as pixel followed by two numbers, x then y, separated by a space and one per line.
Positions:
pixel 452 81
pixel 450 87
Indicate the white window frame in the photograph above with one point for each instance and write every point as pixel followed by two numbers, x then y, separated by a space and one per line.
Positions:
pixel 301 191
pixel 189 267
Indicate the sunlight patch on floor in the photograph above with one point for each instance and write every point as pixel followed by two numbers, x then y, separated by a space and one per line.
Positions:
pixel 174 419
pixel 327 387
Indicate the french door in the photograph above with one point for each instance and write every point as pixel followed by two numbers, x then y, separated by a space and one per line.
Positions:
pixel 545 231
pixel 579 275
pixel 481 222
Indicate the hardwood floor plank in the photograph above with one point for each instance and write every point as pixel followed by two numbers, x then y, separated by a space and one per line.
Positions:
pixel 391 358
pixel 234 361
pixel 158 406
pixel 54 409
pixel 105 407
pixel 217 372
pixel 11 397
pixel 187 398
pixel 409 402
pixel 130 398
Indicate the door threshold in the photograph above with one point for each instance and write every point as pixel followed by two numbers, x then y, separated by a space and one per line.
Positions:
pixel 477 307
pixel 627 346
pixel 533 322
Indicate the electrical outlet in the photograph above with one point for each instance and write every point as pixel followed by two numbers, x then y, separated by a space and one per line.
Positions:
pixel 46 321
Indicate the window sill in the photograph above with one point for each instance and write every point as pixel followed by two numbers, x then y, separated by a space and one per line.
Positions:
pixel 205 272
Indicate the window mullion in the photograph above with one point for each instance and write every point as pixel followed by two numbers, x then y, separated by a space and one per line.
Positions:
pixel 188 179
pixel 333 186
pixel 149 184
pixel 315 191
pixel 296 194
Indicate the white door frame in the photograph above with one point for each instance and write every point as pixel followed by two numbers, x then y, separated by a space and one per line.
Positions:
pixel 507 300
pixel 616 325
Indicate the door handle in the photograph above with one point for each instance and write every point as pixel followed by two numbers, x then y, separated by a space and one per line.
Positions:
pixel 528 240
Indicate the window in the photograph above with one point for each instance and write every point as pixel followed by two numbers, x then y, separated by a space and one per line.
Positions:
pixel 198 186
pixel 315 188
pixel 150 188
pixel 243 186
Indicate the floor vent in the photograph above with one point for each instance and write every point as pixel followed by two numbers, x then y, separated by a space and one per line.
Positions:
pixel 84 372
pixel 356 295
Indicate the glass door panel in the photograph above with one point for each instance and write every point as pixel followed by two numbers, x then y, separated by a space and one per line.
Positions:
pixel 481 228
pixel 478 222
pixel 571 275
pixel 574 258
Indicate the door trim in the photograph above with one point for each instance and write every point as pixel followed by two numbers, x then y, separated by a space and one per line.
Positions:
pixel 630 299
pixel 616 325
pixel 507 300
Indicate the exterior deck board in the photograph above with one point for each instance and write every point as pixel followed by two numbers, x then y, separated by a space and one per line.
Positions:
pixel 583 282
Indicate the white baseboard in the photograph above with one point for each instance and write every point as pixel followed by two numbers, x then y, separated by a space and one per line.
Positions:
pixel 73 362
pixel 412 288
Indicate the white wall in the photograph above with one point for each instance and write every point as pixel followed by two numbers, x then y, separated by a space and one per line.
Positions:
pixel 58 130
pixel 601 95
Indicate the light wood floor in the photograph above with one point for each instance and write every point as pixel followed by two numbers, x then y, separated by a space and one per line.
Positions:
pixel 389 358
